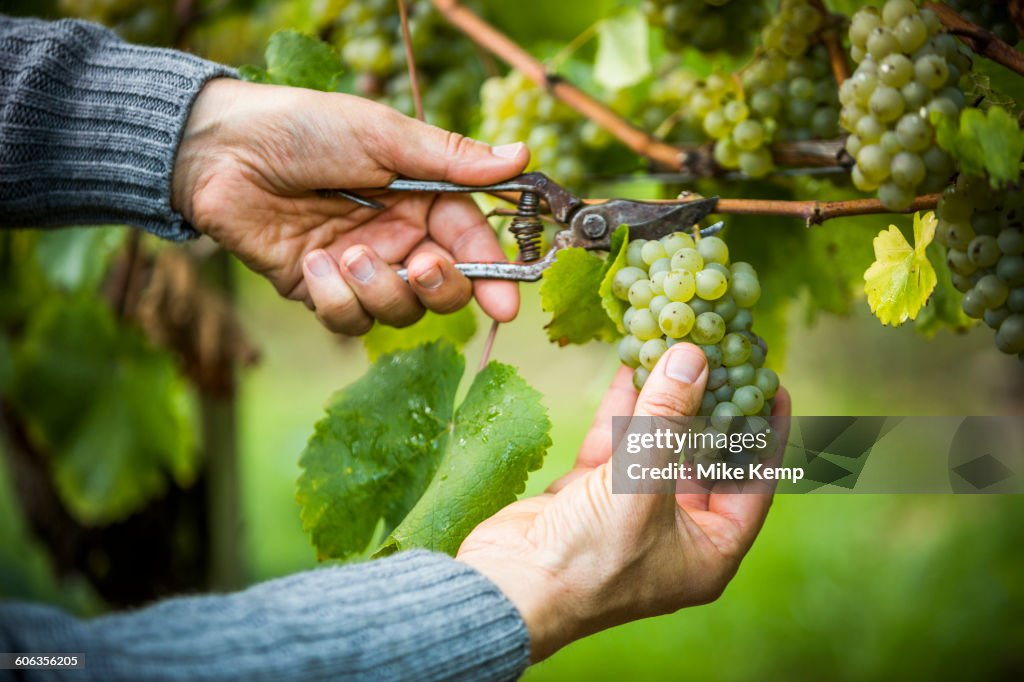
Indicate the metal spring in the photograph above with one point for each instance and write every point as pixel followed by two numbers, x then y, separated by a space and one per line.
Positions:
pixel 527 227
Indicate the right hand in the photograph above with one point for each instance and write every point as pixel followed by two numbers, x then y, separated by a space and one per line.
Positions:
pixel 579 559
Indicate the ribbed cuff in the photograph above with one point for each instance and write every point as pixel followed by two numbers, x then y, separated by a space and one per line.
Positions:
pixel 90 126
pixel 413 616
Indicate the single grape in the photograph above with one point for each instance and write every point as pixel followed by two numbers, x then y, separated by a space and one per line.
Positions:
pixel 993 291
pixel 907 170
pixel 742 375
pixel 713 250
pixel 1010 269
pixel 652 251
pixel 973 304
pixel 874 162
pixel 651 352
pixel 644 326
pixel 660 265
pixel 736 349
pixel 675 241
pixel 711 284
pixel 629 350
pixel 679 285
pixel 746 290
pixel 658 304
pixel 633 256
pixel 713 354
pixel 640 376
pixel 716 379
pixel 749 399
pixel 743 321
pixel 687 259
pixel 624 279
pixel 641 293
pixel 1010 337
pixel 726 308
pixel 984 250
pixel 708 328
pixel 768 381
pixel 676 319
pixel 895 197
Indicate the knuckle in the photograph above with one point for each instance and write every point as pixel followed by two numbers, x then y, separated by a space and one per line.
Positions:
pixel 664 403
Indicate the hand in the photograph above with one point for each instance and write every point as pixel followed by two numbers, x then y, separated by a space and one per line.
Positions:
pixel 579 559
pixel 247 169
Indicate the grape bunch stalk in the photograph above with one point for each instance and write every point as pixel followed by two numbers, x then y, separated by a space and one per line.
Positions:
pixel 685 291
pixel 907 70
pixel 983 232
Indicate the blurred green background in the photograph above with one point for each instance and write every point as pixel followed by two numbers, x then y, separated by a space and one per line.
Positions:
pixel 836 587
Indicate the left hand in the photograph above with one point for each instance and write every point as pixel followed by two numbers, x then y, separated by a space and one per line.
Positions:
pixel 247 169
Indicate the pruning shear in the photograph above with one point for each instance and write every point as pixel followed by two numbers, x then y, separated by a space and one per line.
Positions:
pixel 585 225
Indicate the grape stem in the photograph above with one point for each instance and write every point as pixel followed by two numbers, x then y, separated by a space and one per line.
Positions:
pixel 978 39
pixel 697 160
pixel 410 60
pixel 817 212
pixel 833 42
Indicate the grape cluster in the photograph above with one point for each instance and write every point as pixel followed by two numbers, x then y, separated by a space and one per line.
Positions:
pixel 681 290
pixel 992 14
pixel 369 36
pixel 907 69
pixel 983 232
pixel 708 25
pixel 787 92
pixel 515 109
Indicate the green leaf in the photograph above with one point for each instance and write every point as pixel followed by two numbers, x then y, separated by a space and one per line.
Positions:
pixel 111 410
pixel 77 258
pixel 457 328
pixel 298 60
pixel 986 142
pixel 500 435
pixel 374 453
pixel 569 290
pixel 901 279
pixel 623 53
pixel 613 306
pixel 944 308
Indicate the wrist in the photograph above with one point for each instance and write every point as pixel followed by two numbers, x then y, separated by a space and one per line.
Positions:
pixel 200 142
pixel 546 609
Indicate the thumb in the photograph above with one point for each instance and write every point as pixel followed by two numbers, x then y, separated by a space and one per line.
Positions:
pixel 676 385
pixel 426 152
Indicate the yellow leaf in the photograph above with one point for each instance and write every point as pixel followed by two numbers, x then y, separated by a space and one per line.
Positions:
pixel 901 279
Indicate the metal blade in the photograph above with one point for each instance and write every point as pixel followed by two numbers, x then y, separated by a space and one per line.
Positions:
pixel 593 224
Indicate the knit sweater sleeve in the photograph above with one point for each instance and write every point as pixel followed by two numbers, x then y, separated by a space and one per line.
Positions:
pixel 89 126
pixel 413 616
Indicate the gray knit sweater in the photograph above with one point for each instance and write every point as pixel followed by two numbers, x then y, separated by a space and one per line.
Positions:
pixel 88 131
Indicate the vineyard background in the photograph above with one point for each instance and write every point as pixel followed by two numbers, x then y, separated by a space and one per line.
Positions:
pixel 850 587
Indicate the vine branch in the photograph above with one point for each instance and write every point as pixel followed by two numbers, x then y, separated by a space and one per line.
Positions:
pixel 410 60
pixel 978 39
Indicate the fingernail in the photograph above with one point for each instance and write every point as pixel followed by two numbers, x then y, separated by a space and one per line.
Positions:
pixel 431 279
pixel 685 365
pixel 317 263
pixel 360 266
pixel 507 151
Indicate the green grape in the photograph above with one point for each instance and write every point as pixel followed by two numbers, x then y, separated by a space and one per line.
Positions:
pixel 676 319
pixel 726 308
pixel 711 284
pixel 736 349
pixel 746 289
pixel 640 376
pixel 1011 241
pixel 658 304
pixel 708 328
pixel 699 305
pixel 651 352
pixel 749 399
pixel 767 381
pixel 644 326
pixel 680 285
pixel 641 293
pixel 629 350
pixel 652 251
pixel 907 170
pixel 716 379
pixel 676 241
pixel 633 257
pixel 1010 337
pixel 874 162
pixel 1010 269
pixel 687 259
pixel 742 375
pixel 658 283
pixel 895 197
pixel 713 354
pixel 992 290
pixel 713 250
pixel 742 322
pixel 984 251
pixel 624 279
pixel 660 265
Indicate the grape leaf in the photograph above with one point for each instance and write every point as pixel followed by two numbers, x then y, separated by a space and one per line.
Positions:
pixel 374 453
pixel 623 53
pixel 985 142
pixel 500 434
pixel 374 456
pixel 569 290
pixel 457 328
pixel 299 60
pixel 944 308
pixel 77 258
pixel 613 306
pixel 124 423
pixel 901 279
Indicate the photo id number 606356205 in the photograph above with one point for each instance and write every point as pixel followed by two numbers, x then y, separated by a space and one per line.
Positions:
pixel 36 661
